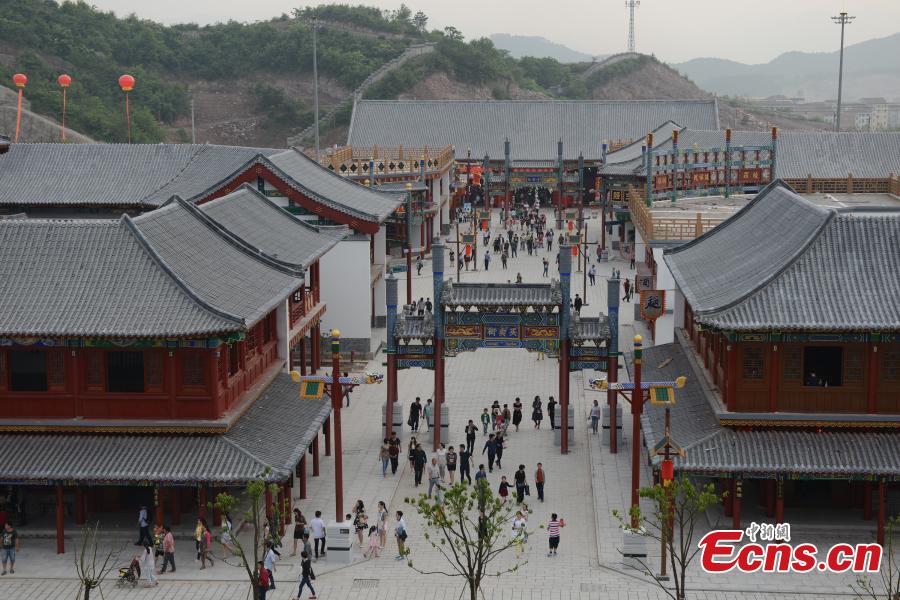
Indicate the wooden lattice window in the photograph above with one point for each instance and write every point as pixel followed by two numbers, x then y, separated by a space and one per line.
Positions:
pixel 250 342
pixel 793 364
pixel 192 370
pixel 854 364
pixel 153 370
pixel 93 376
pixel 890 363
pixel 233 359
pixel 56 369
pixel 754 363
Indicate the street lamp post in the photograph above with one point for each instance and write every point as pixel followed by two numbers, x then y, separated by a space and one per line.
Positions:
pixel 842 20
pixel 408 243
pixel 336 398
pixel 637 407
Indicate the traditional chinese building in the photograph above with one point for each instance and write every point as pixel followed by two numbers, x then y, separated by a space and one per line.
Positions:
pixel 142 357
pixel 789 333
pixel 106 180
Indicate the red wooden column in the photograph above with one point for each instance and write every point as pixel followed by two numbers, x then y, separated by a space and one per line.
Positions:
pixel 80 516
pixel 564 395
pixel 303 355
pixel 779 500
pixel 268 500
pixel 301 477
pixel 730 375
pixel 438 385
pixel 159 498
pixel 867 500
pixel 279 499
pixel 327 428
pixel 872 378
pixel 315 448
pixel 728 484
pixel 881 510
pixel 774 375
pixel 60 521
pixel 287 494
pixel 736 509
pixel 201 501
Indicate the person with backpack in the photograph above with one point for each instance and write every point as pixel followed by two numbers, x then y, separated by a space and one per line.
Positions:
pixel 262 580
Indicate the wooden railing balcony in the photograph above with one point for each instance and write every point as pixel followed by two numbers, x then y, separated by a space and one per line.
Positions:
pixel 653 227
pixel 301 308
pixel 355 161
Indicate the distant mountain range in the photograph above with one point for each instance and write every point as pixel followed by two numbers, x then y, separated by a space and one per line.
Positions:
pixel 871 69
pixel 539 47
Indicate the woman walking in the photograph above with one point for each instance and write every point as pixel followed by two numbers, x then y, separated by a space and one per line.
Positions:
pixel 205 546
pixel 517 413
pixel 148 565
pixel 381 524
pixel 306 576
pixel 441 455
pixel 360 521
pixel 384 455
pixel 537 414
pixel 411 452
pixel 299 529
pixel 451 459
pixel 400 532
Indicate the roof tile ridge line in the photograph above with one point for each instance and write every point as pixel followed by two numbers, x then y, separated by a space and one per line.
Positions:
pixel 325 412
pixel 180 172
pixel 832 214
pixel 148 247
pixel 385 194
pixel 329 241
pixel 222 183
pixel 264 464
pixel 237 241
pixel 721 227
pixel 372 218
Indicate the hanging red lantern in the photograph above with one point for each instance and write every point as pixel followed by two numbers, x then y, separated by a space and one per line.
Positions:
pixel 571 225
pixel 64 80
pixel 20 80
pixel 484 225
pixel 126 82
pixel 574 250
pixel 468 250
pixel 668 471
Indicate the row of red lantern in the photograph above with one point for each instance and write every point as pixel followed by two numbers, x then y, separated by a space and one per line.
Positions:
pixel 126 82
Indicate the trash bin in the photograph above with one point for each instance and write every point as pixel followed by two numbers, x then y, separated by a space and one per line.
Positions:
pixel 557 430
pixel 339 541
pixel 606 413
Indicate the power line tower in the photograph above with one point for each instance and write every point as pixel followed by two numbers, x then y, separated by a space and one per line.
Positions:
pixel 631 5
pixel 842 19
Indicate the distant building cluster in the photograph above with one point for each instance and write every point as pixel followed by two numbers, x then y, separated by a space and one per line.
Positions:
pixel 866 114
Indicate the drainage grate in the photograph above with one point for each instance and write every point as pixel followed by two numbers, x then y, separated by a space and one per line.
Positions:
pixel 364 584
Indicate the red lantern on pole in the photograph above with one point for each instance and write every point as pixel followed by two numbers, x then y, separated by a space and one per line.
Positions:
pixel 571 225
pixel 64 82
pixel 574 251
pixel 19 79
pixel 468 250
pixel 668 471
pixel 126 82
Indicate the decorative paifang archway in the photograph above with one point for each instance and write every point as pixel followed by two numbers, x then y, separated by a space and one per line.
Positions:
pixel 469 316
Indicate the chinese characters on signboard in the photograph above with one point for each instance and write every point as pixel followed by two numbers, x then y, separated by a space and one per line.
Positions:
pixel 653 304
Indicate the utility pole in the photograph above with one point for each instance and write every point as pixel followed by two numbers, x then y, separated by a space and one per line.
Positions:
pixel 316 85
pixel 842 19
pixel 631 5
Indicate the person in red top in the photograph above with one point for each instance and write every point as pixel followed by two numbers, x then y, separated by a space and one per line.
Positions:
pixel 168 548
pixel 263 576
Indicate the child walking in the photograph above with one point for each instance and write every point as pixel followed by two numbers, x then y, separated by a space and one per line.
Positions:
pixel 374 541
pixel 553 528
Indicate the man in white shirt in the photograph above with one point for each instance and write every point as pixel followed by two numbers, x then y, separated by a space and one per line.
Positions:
pixel 400 532
pixel 317 527
pixel 434 475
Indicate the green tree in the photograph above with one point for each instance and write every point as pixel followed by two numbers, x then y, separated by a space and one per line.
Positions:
pixel 420 21
pixel 676 511
pixel 254 517
pixel 468 527
pixel 888 585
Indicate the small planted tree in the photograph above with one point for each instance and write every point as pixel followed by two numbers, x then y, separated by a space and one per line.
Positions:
pixel 470 528
pixel 672 521
pixel 254 516
pixel 887 585
pixel 92 564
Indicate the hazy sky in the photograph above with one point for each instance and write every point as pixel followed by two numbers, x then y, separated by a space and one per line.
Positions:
pixel 675 30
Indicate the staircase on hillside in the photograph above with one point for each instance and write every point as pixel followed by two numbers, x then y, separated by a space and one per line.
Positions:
pixel 374 77
pixel 610 60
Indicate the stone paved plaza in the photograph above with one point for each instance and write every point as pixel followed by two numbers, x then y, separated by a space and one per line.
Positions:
pixel 583 487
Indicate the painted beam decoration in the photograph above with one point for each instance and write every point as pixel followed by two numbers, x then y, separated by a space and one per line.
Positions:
pixel 535 332
pixel 314 385
pixel 602 384
pixel 674 172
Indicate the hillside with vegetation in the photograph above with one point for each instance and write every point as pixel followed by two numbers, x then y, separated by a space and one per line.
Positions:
pixel 251 83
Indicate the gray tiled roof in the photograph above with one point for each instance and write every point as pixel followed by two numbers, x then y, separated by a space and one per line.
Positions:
pixel 713 449
pixel 269 228
pixel 336 191
pixel 589 328
pixel 783 263
pixel 823 155
pixel 532 126
pixel 273 433
pixel 222 272
pixel 93 278
pixel 114 174
pixel 498 294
